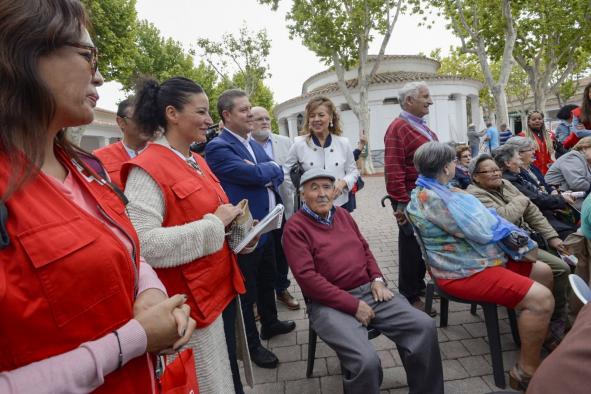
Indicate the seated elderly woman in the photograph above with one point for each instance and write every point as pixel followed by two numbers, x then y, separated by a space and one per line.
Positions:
pixel 526 149
pixel 572 171
pixel 462 176
pixel 467 257
pixel 495 192
pixel 554 207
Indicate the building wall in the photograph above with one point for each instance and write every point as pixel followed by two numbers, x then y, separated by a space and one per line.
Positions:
pixel 448 117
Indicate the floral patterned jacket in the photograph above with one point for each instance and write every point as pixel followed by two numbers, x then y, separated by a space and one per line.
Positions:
pixel 451 253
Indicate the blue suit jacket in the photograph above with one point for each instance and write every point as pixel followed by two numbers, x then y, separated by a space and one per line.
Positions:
pixel 226 157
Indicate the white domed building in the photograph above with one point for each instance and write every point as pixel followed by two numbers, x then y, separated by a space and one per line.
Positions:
pixel 455 101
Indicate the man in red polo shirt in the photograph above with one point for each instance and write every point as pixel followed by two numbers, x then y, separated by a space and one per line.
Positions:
pixel 133 143
pixel 404 136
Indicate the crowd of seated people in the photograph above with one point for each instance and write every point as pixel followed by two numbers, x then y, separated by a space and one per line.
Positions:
pixel 509 203
pixel 554 206
pixel 463 239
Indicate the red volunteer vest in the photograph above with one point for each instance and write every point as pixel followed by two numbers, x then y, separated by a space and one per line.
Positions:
pixel 113 156
pixel 211 281
pixel 66 278
pixel 543 158
pixel 572 139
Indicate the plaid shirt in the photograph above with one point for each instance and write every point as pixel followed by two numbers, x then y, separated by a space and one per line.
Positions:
pixel 400 142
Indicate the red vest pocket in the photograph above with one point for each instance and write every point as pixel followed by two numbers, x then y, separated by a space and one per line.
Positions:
pixel 186 187
pixel 72 280
pixel 204 278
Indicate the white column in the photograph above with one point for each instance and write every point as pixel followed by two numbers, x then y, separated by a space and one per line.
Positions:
pixel 282 123
pixel 476 114
pixel 438 119
pixel 461 115
pixel 292 126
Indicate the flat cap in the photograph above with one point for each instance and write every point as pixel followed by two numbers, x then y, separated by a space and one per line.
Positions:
pixel 315 173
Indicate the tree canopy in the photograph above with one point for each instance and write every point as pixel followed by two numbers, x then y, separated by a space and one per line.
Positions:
pixel 339 33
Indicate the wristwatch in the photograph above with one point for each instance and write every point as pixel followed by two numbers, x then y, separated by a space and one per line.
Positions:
pixel 380 279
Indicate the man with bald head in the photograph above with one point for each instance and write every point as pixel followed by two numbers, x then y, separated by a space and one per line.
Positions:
pixel 277 147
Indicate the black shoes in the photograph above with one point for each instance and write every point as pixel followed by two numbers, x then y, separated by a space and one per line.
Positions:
pixel 277 328
pixel 264 358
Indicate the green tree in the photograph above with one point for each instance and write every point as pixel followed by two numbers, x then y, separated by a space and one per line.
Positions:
pixel 472 21
pixel 114 24
pixel 339 33
pixel 552 43
pixel 246 54
pixel 466 65
pixel 164 58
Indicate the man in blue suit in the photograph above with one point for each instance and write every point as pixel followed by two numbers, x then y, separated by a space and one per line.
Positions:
pixel 245 171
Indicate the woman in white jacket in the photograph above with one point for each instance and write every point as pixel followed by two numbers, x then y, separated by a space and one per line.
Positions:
pixel 322 146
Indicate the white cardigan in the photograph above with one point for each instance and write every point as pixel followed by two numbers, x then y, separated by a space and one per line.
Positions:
pixel 337 158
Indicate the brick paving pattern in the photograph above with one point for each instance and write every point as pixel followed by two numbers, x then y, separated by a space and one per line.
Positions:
pixel 464 346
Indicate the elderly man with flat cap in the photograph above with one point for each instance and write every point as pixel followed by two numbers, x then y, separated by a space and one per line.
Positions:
pixel 346 294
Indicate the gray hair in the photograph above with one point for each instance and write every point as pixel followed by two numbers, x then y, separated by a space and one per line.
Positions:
pixel 432 157
pixel 521 143
pixel 475 162
pixel 410 89
pixel 503 154
pixel 226 100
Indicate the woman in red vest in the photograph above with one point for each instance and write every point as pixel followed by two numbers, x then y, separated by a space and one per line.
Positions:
pixel 180 212
pixel 543 141
pixel 79 308
pixel 581 123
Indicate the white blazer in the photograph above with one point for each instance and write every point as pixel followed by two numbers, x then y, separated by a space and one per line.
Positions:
pixel 337 158
pixel 281 146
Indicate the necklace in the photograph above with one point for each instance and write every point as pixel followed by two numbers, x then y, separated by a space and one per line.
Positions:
pixel 189 160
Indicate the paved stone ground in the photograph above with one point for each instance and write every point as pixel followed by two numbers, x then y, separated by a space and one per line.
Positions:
pixel 463 344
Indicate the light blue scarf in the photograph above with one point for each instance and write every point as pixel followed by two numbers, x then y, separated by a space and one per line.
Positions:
pixel 467 210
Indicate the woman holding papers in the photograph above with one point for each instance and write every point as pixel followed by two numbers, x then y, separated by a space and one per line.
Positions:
pixel 181 213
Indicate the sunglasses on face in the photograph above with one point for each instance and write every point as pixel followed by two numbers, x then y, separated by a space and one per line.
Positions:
pixel 93 55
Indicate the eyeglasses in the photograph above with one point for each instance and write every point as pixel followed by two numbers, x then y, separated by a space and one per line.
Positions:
pixel 93 59
pixel 490 172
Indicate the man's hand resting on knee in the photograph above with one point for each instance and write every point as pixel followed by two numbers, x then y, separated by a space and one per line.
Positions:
pixel 364 313
pixel 380 292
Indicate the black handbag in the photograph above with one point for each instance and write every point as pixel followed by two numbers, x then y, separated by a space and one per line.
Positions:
pixel 295 174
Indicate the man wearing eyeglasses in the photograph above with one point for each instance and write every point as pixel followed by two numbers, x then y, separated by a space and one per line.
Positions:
pixel 277 147
pixel 133 143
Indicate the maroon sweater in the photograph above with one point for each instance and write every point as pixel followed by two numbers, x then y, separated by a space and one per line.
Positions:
pixel 327 261
pixel 400 143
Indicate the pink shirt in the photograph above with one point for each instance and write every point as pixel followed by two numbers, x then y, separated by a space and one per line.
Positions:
pixel 83 369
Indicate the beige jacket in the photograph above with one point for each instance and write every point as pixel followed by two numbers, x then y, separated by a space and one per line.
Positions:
pixel 511 204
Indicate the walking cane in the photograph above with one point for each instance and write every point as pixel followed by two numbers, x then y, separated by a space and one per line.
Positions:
pixel 406 228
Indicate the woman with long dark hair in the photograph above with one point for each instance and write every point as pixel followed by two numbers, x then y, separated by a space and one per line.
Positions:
pixel 180 212
pixel 79 307
pixel 581 120
pixel 543 140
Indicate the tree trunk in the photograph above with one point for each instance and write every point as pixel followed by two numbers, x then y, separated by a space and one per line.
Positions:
pixel 364 124
pixel 501 111
pixel 540 99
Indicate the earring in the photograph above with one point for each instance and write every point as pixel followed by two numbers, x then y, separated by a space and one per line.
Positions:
pixel 330 124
